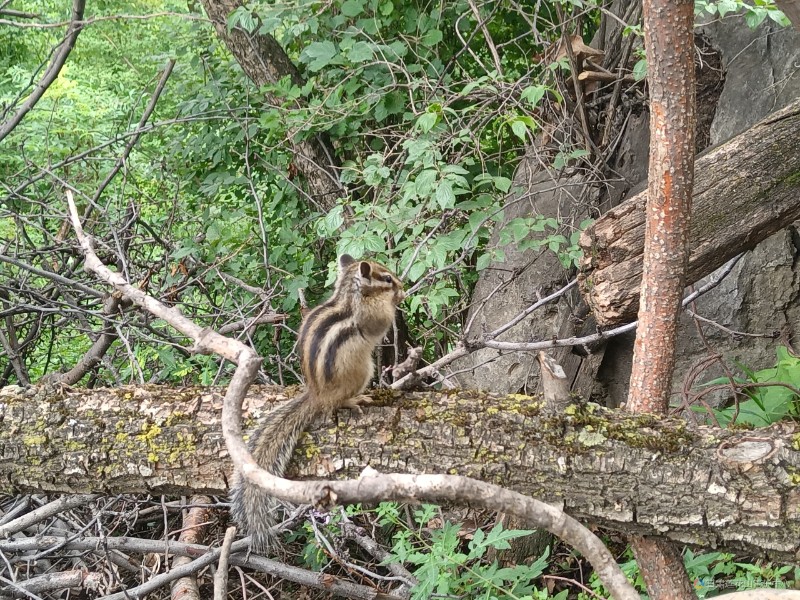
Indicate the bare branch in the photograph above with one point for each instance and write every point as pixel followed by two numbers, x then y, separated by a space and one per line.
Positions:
pixel 96 353
pixel 151 105
pixel 221 576
pixel 409 488
pixel 48 510
pixel 463 348
pixel 54 276
pixel 52 70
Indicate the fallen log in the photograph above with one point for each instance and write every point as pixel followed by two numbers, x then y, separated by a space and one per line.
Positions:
pixel 632 473
pixel 744 191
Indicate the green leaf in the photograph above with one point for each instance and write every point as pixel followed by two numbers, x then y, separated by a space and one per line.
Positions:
pixel 416 271
pixel 515 230
pixel 374 243
pixel 269 25
pixel 640 69
pixel 437 255
pixel 476 221
pixel 352 8
pixel 453 240
pixel 498 537
pixel 780 18
pixel 455 170
pixel 534 93
pixel 386 8
pixel 318 55
pixel 502 183
pixel 432 37
pixel 520 129
pixel 334 219
pixel 353 246
pixel 445 197
pixel 360 52
pixel 424 182
pixel 754 17
pixel 484 260
pixel 426 121
pixel 396 50
pixel 183 252
pixel 391 104
pixel 243 18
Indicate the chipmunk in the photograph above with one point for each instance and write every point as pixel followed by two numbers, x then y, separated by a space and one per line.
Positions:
pixel 336 342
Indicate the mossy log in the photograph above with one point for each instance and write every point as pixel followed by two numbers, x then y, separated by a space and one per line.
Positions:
pixel 633 473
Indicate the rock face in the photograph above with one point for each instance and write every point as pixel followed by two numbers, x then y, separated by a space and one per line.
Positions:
pixel 762 294
pixel 509 287
pixel 743 75
pixel 762 72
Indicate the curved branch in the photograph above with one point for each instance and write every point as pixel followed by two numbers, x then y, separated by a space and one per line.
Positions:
pixel 372 488
pixel 95 354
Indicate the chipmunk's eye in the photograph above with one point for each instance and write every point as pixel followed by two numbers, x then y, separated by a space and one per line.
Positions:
pixel 387 278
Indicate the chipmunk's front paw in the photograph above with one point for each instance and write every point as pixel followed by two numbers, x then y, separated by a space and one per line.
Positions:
pixel 356 402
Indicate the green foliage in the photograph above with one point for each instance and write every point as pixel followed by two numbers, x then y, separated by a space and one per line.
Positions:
pixel 754 13
pixel 640 69
pixel 631 571
pixel 765 403
pixel 426 124
pixel 716 573
pixel 445 565
pixel 444 558
pixel 428 186
pixel 712 574
pixel 450 561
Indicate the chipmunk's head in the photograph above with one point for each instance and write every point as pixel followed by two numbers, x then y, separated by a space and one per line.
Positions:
pixel 372 279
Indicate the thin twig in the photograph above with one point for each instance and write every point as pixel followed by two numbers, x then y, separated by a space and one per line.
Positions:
pixel 221 576
pixel 52 70
pixel 151 105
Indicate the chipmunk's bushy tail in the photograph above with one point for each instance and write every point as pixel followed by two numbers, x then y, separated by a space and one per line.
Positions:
pixel 254 509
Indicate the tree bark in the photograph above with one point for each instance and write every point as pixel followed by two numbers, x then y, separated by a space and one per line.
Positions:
pixel 264 61
pixel 744 191
pixel 633 473
pixel 791 8
pixel 669 46
pixel 661 565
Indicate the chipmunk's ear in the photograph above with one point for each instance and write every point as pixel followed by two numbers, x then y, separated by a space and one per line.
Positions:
pixel 365 268
pixel 345 260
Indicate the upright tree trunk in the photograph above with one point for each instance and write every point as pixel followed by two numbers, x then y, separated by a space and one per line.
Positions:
pixel 264 61
pixel 669 44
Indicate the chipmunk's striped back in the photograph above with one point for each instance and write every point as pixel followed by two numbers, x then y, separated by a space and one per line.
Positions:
pixel 336 343
pixel 337 338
